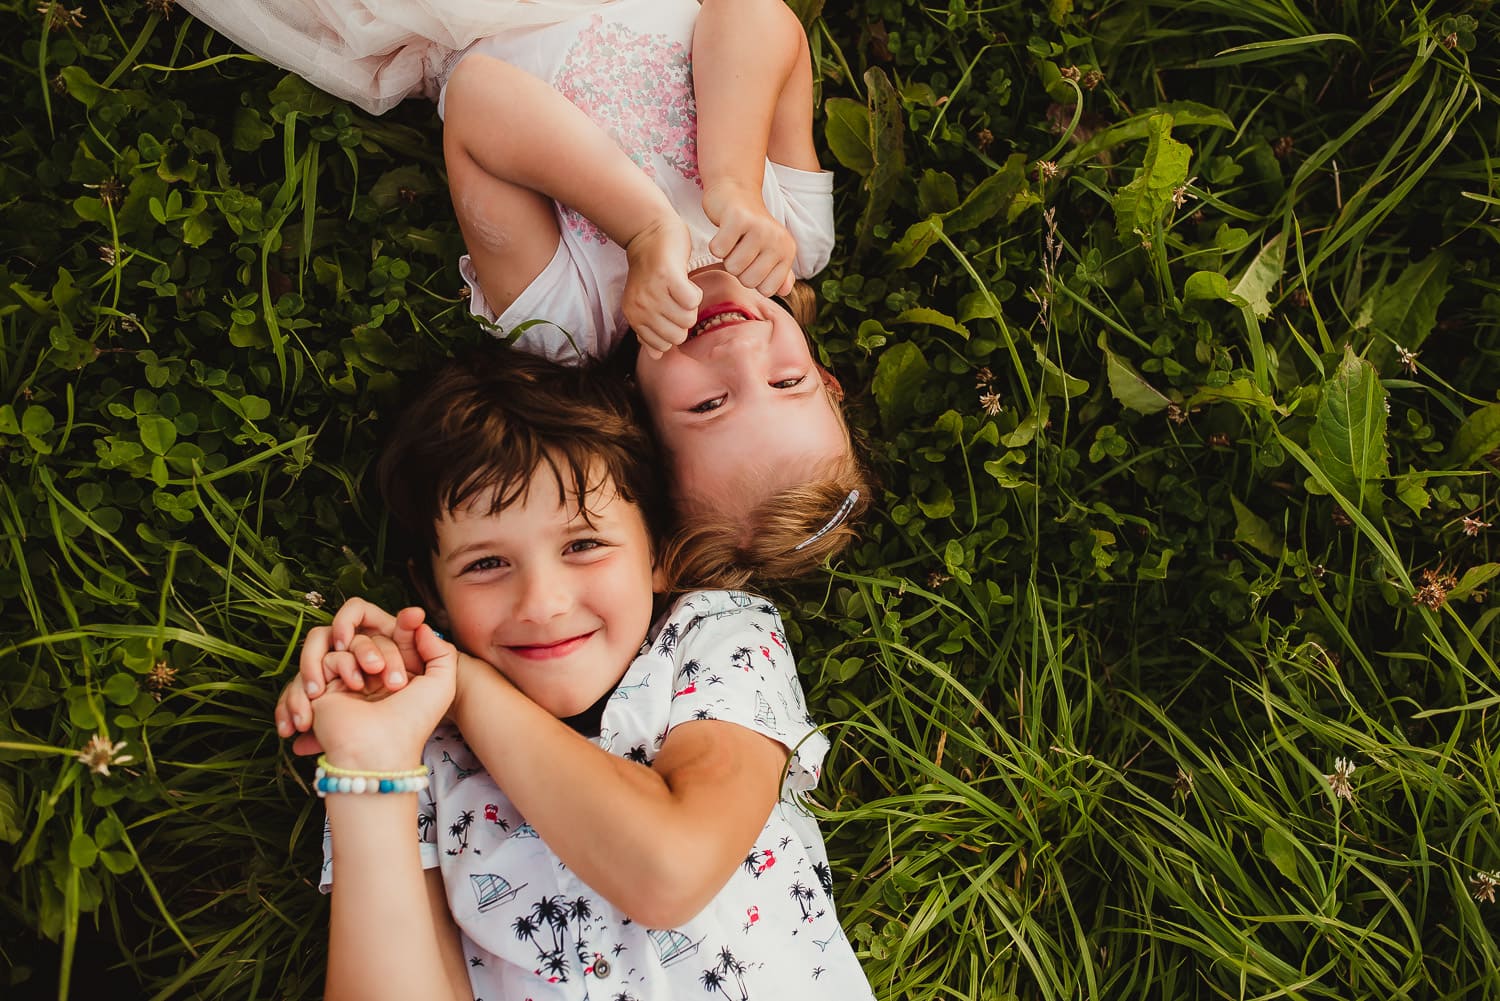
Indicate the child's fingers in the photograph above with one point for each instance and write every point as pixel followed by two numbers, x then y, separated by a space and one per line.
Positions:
pixel 357 615
pixel 310 661
pixel 293 710
pixel 436 652
pixel 307 743
pixel 408 621
pixel 344 666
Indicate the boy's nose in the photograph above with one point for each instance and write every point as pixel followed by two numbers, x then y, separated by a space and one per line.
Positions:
pixel 545 595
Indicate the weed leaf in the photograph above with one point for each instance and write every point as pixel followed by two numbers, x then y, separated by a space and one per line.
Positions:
pixel 1348 435
pixel 846 127
pixel 1405 311
pixel 888 150
pixel 1282 851
pixel 1129 387
pixel 1476 437
pixel 1261 277
pixel 1142 204
pixel 1255 532
pixel 898 375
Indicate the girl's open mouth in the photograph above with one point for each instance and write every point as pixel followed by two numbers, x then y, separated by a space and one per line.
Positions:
pixel 720 315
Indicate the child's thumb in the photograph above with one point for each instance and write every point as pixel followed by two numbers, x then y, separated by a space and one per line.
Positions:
pixel 435 651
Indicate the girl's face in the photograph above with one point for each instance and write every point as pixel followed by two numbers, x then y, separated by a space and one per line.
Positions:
pixel 743 392
pixel 557 606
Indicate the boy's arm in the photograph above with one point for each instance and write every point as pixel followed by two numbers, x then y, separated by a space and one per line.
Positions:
pixel 705 798
pixel 754 102
pixel 513 145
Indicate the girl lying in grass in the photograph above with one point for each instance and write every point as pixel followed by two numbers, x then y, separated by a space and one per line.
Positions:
pixel 605 804
pixel 635 164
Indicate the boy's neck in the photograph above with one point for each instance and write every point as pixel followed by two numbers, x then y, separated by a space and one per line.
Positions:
pixel 587 722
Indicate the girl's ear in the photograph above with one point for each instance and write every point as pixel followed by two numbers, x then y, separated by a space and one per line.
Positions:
pixel 831 383
pixel 436 613
pixel 659 580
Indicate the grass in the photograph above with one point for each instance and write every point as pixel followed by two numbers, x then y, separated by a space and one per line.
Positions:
pixel 1188 430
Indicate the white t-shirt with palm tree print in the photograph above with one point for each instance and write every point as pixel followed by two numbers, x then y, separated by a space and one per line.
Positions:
pixel 533 930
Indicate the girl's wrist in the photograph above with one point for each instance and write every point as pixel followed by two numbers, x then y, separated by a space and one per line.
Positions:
pixel 386 758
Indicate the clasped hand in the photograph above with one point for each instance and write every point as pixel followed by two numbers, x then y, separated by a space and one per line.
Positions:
pixel 381 683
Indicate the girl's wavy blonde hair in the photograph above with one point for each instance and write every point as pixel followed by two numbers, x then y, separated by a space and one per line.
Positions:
pixel 717 549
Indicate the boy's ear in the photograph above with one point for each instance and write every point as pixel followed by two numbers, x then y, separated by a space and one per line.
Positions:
pixel 436 613
pixel 658 579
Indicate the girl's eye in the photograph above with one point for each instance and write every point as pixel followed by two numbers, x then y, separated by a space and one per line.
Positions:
pixel 789 383
pixel 584 545
pixel 707 405
pixel 484 563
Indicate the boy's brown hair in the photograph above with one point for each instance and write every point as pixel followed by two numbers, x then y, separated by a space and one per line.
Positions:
pixel 485 422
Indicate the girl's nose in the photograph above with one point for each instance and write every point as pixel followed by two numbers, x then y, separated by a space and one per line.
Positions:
pixel 545 594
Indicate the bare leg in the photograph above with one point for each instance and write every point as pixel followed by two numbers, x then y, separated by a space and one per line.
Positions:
pixel 513 145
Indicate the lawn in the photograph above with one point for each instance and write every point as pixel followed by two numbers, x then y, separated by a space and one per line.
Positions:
pixel 1166 667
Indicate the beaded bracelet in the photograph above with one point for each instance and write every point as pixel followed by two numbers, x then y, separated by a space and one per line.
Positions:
pixel 330 778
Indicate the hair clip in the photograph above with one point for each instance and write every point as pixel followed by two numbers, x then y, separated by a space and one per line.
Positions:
pixel 831 523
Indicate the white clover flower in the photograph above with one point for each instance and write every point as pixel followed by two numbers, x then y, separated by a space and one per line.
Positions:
pixel 1339 781
pixel 99 754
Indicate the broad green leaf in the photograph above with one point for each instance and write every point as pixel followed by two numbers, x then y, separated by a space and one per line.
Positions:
pixel 1347 439
pixel 898 375
pixel 1026 430
pixel 1210 286
pixel 82 86
pixel 121 689
pixel 1405 311
pixel 888 146
pixel 991 196
pixel 157 433
pixel 931 317
pixel 936 192
pixel 1144 202
pixel 1254 531
pixel 37 420
pixel 1056 382
pixel 1412 491
pixel 919 238
pixel 1281 850
pixel 1184 114
pixel 1243 393
pixel 1474 577
pixel 249 130
pixel 1261 277
pixel 846 127
pixel 10 813
pixel 82 851
pixel 1129 387
pixel 1477 436
pixel 8 422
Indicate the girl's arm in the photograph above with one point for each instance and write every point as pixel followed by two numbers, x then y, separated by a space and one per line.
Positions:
pixel 513 146
pixel 754 101
pixel 659 841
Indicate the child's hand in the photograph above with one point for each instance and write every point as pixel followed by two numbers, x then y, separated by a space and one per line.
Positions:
pixel 660 303
pixel 385 730
pixel 754 247
pixel 363 639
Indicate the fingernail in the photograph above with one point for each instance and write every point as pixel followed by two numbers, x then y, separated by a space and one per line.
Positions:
pixel 283 728
pixel 313 688
pixel 297 720
pixel 339 645
pixel 397 678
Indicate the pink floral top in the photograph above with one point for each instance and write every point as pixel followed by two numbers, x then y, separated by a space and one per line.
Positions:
pixel 629 66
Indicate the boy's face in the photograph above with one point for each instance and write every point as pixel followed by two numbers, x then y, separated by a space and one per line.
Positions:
pixel 742 390
pixel 558 607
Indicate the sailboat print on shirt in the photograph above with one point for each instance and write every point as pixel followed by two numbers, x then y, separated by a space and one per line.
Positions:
pixel 672 946
pixel 490 889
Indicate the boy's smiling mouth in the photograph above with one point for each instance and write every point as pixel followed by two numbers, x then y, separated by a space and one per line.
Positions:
pixel 553 650
pixel 720 315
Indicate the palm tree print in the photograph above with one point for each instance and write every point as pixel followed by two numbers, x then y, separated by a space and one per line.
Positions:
pixel 740 658
pixel 752 863
pixel 667 641
pixel 551 911
pixel 825 878
pixel 460 830
pixel 690 670
pixel 716 978
pixel 580 909
pixel 426 820
pixel 803 895
pixel 638 755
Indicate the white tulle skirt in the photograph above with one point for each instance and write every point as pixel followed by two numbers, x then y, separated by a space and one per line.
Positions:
pixel 373 53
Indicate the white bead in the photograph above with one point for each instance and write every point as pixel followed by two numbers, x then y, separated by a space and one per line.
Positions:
pixel 359 784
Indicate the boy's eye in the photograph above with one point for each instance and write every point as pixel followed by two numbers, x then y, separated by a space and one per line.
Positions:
pixel 584 545
pixel 789 383
pixel 484 563
pixel 707 405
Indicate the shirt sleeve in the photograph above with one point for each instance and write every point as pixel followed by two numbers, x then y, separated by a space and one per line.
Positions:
pixel 733 664
pixel 560 315
pixel 807 213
